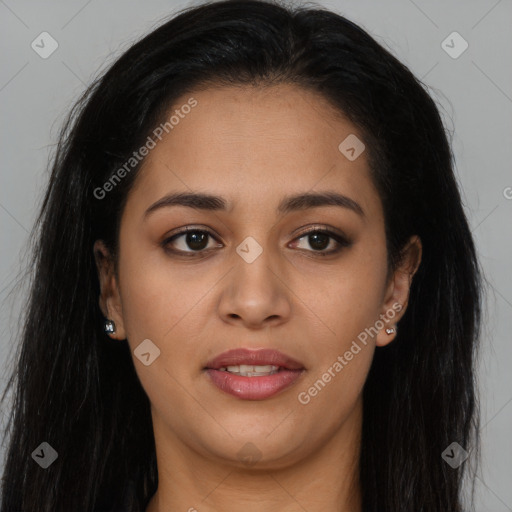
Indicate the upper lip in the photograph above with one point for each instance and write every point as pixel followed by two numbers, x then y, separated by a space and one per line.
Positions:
pixel 258 357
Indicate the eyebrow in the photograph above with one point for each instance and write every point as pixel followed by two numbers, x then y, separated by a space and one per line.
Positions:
pixel 304 201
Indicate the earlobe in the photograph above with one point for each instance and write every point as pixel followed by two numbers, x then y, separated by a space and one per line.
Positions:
pixel 398 289
pixel 388 333
pixel 109 299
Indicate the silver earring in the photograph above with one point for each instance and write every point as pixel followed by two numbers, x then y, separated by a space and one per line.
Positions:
pixel 109 326
pixel 390 330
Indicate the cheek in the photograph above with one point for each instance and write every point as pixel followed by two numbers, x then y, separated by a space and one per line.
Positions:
pixel 350 306
pixel 164 305
pixel 158 296
pixel 331 395
pixel 343 355
pixel 350 300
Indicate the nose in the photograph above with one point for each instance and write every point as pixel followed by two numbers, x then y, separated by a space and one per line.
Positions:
pixel 255 295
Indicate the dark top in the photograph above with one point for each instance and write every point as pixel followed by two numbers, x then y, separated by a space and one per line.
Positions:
pixel 127 503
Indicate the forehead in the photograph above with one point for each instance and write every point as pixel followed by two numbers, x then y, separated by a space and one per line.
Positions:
pixel 253 144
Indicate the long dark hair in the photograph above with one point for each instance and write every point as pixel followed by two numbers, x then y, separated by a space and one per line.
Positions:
pixel 77 390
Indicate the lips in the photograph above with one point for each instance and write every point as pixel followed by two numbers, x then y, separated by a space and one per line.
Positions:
pixel 260 357
pixel 253 386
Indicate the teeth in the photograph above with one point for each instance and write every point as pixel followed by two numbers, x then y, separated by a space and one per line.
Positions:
pixel 248 370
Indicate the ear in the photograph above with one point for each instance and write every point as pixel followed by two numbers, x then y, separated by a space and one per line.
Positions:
pixel 109 300
pixel 397 290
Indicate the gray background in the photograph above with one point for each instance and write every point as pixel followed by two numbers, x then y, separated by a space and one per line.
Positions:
pixel 474 92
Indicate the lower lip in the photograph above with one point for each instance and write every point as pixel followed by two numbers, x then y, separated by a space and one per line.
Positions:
pixel 253 388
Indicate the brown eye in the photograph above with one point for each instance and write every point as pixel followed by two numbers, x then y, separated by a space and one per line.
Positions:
pixel 318 240
pixel 190 241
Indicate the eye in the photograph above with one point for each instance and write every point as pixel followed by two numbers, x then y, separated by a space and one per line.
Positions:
pixel 190 240
pixel 320 239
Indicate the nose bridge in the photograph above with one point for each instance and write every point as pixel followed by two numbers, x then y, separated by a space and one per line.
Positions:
pixel 253 275
pixel 255 292
pixel 253 270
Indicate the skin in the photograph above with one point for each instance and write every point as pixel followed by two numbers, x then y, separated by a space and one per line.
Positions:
pixel 253 146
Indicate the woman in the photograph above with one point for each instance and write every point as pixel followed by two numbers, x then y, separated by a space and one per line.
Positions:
pixel 255 286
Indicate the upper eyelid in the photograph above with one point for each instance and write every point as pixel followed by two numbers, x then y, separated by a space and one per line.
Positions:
pixel 312 229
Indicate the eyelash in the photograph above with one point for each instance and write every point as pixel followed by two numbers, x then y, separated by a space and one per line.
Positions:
pixel 340 240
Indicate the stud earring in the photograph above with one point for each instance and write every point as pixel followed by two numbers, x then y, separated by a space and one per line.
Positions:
pixel 390 330
pixel 109 326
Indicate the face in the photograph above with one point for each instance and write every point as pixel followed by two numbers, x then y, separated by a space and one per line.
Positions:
pixel 258 269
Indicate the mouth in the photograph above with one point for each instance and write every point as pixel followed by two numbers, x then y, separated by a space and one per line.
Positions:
pixel 253 374
pixel 248 370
